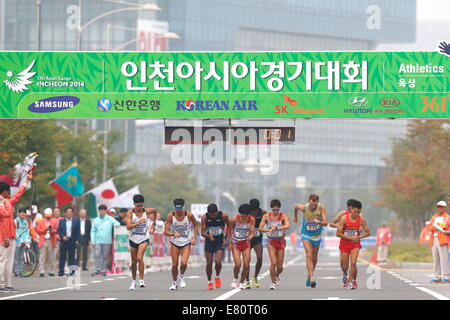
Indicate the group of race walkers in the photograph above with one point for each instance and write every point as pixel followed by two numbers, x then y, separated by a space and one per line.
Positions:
pixel 242 233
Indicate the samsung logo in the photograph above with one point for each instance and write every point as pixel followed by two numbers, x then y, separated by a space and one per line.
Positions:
pixel 53 104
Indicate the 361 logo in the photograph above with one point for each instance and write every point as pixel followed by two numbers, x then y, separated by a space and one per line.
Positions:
pixel 433 105
pixel 287 101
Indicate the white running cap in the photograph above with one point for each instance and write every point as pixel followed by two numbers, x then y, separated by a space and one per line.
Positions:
pixel 442 204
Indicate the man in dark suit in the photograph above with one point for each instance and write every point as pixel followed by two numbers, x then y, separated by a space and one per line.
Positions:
pixel 85 239
pixel 69 233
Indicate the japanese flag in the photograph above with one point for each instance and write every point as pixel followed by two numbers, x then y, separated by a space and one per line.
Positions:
pixel 106 194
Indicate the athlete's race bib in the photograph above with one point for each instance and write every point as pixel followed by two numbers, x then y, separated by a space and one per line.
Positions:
pixel 215 231
pixel 241 233
pixel 140 228
pixel 182 230
pixel 276 234
pixel 351 232
pixel 312 226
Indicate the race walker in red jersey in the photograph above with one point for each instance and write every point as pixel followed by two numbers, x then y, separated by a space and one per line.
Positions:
pixel 350 244
pixel 241 231
pixel 275 223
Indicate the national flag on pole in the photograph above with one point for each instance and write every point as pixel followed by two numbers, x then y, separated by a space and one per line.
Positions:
pixel 67 186
pixel 126 198
pixel 106 194
pixel 19 172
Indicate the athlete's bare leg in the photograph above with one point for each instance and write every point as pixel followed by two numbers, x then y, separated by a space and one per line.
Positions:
pixel 218 262
pixel 209 262
pixel 314 256
pixel 185 252
pixel 140 260
pixel 175 253
pixel 280 261
pixel 237 262
pixel 309 257
pixel 353 269
pixel 273 262
pixel 134 261
pixel 246 254
pixel 259 258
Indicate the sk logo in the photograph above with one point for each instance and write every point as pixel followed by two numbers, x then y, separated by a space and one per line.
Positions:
pixel 445 48
pixel 19 83
pixel 292 102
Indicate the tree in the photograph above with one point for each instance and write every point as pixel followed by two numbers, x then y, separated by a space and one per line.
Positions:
pixel 168 183
pixel 53 139
pixel 418 172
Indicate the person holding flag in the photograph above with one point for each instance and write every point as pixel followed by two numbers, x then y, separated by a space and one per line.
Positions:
pixel 8 231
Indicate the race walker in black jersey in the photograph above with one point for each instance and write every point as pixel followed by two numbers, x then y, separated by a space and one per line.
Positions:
pixel 213 225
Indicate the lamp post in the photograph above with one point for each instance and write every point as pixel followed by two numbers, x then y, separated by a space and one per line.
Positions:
pixel 38 24
pixel 81 28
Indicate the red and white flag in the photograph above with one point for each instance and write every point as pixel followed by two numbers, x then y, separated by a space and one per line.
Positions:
pixel 126 198
pixel 106 194
pixel 19 172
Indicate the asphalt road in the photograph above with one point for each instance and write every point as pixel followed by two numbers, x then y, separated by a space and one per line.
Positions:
pixel 374 284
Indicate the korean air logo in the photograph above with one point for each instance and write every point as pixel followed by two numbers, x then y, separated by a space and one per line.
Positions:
pixel 358 102
pixel 190 104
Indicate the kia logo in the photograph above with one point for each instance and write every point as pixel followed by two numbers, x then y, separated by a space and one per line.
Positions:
pixel 358 101
pixel 389 102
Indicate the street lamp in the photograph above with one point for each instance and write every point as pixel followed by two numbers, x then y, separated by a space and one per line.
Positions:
pixel 166 35
pixel 80 29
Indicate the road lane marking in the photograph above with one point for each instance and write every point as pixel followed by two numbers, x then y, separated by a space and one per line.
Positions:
pixel 329 278
pixel 110 279
pixel 232 292
pixel 96 281
pixel 32 293
pixel 414 284
pixel 434 294
pixel 109 298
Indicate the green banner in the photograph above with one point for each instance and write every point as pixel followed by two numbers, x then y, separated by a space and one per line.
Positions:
pixel 224 85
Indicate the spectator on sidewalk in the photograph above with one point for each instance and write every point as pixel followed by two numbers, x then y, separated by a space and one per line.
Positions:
pixel 69 233
pixel 101 238
pixel 121 217
pixel 23 239
pixel 384 239
pixel 426 234
pixel 8 232
pixel 47 229
pixel 439 225
pixel 57 216
pixel 85 239
pixel 158 237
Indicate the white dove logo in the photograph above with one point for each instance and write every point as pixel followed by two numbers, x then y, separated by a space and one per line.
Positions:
pixel 20 83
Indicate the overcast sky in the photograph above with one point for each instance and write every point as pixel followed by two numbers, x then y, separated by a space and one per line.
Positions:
pixel 438 10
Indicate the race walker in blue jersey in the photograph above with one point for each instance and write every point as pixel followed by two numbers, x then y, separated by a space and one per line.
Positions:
pixel 314 219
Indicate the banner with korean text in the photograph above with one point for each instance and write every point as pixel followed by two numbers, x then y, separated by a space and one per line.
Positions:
pixel 224 85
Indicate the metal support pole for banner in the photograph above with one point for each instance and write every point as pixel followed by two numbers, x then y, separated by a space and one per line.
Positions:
pixel 38 24
pixel 80 3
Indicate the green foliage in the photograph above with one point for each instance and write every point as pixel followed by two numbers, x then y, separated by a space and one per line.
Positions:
pixel 418 171
pixel 168 183
pixel 49 139
pixel 410 251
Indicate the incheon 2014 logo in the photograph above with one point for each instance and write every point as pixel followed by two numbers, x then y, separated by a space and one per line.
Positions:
pixel 104 105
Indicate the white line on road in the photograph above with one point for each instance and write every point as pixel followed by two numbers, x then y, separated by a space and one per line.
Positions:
pixel 434 294
pixel 110 279
pixel 96 281
pixel 234 291
pixel 32 293
pixel 109 298
pixel 414 284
